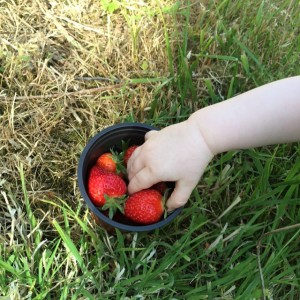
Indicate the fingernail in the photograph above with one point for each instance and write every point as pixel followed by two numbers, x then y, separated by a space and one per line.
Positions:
pixel 169 210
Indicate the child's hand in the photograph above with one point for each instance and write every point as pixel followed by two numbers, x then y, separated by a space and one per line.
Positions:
pixel 264 116
pixel 177 153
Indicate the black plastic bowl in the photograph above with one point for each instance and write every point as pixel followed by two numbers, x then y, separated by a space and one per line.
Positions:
pixel 102 142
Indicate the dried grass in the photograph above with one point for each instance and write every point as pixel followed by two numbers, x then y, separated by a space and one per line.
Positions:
pixel 43 47
pixel 46 114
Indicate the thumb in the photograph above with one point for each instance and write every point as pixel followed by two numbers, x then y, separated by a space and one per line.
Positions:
pixel 180 195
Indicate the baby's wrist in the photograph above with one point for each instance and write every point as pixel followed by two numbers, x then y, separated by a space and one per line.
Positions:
pixel 199 135
pixel 200 121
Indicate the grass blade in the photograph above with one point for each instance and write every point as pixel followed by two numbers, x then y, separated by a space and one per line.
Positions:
pixel 69 244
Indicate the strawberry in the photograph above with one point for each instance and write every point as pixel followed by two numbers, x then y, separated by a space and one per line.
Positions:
pixel 96 171
pixel 102 186
pixel 111 162
pixel 128 153
pixel 144 207
pixel 107 162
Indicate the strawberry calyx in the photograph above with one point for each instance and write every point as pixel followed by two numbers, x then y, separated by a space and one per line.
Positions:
pixel 118 159
pixel 113 204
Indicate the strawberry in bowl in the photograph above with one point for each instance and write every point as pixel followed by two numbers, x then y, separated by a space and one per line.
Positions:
pixel 102 182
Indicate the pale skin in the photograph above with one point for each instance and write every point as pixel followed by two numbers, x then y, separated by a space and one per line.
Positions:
pixel 267 115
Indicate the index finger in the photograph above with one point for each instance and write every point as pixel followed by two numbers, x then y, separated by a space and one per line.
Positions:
pixel 142 180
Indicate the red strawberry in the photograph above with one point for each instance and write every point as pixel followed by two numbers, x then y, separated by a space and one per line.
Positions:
pixel 100 186
pixel 128 153
pixel 144 207
pixel 96 171
pixel 111 162
pixel 107 162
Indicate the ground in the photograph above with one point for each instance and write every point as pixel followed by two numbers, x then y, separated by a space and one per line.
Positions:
pixel 155 62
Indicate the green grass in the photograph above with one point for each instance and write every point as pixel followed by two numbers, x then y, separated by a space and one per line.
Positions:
pixel 237 238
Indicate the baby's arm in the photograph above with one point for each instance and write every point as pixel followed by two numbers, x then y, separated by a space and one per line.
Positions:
pixel 263 116
pixel 266 115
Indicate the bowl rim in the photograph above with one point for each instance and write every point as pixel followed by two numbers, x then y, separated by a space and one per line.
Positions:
pixel 92 207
